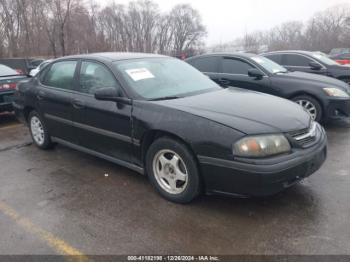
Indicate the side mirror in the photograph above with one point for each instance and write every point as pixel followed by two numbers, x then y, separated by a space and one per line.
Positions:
pixel 111 94
pixel 315 66
pixel 253 72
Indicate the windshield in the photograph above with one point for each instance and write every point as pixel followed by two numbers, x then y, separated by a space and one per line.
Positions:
pixel 7 71
pixel 158 78
pixel 269 65
pixel 324 59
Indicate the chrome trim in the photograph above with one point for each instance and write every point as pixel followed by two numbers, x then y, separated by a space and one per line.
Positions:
pixel 100 155
pixel 310 133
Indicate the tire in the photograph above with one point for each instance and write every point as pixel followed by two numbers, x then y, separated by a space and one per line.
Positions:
pixel 38 131
pixel 311 105
pixel 173 171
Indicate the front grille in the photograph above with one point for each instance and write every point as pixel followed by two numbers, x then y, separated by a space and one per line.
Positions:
pixel 305 137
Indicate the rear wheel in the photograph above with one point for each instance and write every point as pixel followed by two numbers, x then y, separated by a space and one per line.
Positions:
pixel 311 105
pixel 38 131
pixel 172 170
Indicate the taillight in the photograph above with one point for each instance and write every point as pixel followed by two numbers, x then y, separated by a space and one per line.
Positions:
pixel 8 86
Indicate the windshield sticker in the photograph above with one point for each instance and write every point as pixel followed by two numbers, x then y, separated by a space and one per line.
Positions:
pixel 138 74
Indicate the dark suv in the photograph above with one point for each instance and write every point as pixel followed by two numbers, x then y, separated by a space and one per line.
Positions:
pixel 322 97
pixel 310 62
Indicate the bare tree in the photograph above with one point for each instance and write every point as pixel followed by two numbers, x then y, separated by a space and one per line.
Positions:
pixel 61 27
pixel 187 27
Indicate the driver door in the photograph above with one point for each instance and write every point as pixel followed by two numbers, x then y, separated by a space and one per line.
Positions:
pixel 103 126
pixel 235 73
pixel 296 62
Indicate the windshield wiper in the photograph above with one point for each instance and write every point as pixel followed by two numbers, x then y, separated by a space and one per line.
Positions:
pixel 164 98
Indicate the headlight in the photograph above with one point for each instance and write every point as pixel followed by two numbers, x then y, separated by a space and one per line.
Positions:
pixel 261 146
pixel 331 91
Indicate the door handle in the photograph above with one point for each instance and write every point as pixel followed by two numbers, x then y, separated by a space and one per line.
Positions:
pixel 40 95
pixel 78 104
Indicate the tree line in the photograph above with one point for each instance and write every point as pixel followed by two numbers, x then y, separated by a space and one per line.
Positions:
pixel 53 28
pixel 324 31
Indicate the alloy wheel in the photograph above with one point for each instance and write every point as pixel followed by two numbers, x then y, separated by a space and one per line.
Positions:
pixel 37 130
pixel 170 171
pixel 309 107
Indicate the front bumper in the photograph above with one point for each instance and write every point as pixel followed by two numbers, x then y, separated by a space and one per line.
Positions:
pixel 265 177
pixel 338 108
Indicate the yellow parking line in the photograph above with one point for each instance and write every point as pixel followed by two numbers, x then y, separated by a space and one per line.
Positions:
pixel 57 244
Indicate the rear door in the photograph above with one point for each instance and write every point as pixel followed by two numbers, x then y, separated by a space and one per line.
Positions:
pixel 54 95
pixel 102 126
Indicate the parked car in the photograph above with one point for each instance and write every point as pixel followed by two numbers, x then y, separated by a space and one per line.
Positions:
pixel 337 51
pixel 159 116
pixel 36 70
pixel 343 59
pixel 310 62
pixel 322 97
pixel 9 79
pixel 21 65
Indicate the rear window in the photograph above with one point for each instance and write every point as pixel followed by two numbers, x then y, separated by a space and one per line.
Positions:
pixel 7 71
pixel 60 75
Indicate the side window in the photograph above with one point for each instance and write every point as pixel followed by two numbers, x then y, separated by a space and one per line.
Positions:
pixel 296 60
pixel 277 58
pixel 60 75
pixel 235 66
pixel 206 64
pixel 94 76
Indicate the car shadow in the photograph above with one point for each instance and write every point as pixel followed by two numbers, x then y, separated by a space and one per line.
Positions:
pixel 7 118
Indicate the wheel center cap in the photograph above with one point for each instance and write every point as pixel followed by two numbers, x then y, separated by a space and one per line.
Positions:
pixel 169 169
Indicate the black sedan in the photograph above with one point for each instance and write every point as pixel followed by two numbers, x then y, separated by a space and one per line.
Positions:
pixel 310 62
pixel 161 117
pixel 8 82
pixel 323 97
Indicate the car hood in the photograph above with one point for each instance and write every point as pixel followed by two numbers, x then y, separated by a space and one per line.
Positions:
pixel 246 111
pixel 312 79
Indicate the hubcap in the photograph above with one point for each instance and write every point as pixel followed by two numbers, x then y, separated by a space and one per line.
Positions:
pixel 37 130
pixel 310 107
pixel 170 171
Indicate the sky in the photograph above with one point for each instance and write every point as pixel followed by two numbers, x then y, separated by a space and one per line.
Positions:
pixel 226 20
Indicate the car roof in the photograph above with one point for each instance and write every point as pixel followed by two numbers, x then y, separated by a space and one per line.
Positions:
pixel 231 54
pixel 113 56
pixel 290 51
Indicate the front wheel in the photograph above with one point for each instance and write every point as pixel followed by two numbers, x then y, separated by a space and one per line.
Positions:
pixel 311 105
pixel 172 170
pixel 38 131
